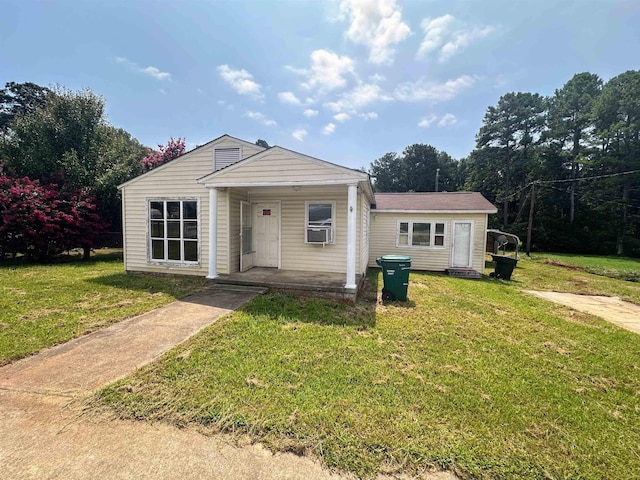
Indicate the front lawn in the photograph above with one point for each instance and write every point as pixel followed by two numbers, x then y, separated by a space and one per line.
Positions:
pixel 42 305
pixel 471 376
pixel 623 268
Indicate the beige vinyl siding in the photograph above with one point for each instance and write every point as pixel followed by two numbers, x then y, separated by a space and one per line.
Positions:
pixel 295 254
pixel 279 167
pixel 384 232
pixel 235 197
pixel 176 180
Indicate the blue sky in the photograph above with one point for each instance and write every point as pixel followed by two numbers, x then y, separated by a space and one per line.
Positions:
pixel 346 81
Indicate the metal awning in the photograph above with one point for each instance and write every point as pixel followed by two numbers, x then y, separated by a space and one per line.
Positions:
pixel 501 239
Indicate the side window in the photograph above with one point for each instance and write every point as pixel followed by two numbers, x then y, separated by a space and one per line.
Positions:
pixel 421 234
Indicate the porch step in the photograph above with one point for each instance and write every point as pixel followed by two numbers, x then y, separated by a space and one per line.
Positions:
pixel 463 273
pixel 228 287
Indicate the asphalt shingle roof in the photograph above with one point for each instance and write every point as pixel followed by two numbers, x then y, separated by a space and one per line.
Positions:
pixel 434 201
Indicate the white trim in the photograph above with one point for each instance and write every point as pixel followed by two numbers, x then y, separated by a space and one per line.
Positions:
pixel 213 234
pixel 228 192
pixel 333 220
pixel 290 183
pixel 124 229
pixel 352 209
pixel 432 233
pixel 471 236
pixel 460 212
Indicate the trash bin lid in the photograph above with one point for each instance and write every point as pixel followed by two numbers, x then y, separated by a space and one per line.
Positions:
pixel 395 258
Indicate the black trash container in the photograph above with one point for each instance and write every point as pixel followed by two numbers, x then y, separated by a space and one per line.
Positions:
pixel 504 266
pixel 395 273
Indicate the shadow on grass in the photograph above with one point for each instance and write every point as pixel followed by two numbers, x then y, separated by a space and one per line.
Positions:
pixel 73 258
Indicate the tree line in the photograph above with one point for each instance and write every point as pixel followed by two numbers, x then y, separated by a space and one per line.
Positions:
pixel 60 164
pixel 574 155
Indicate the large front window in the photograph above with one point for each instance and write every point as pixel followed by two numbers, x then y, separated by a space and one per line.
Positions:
pixel 173 231
pixel 420 234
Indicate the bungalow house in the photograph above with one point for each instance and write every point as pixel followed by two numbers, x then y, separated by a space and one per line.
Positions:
pixel 230 208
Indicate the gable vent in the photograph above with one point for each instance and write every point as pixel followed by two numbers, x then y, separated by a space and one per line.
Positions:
pixel 223 157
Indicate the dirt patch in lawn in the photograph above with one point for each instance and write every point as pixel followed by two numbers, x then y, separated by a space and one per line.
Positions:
pixel 612 309
pixel 563 265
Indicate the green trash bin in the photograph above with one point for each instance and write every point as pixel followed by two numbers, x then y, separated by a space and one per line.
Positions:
pixel 395 273
pixel 504 266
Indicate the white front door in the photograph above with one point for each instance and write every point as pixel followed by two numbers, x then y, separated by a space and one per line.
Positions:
pixel 246 237
pixel 462 235
pixel 266 233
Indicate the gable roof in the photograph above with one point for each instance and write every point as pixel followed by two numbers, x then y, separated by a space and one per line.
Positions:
pixel 188 154
pixel 343 175
pixel 434 202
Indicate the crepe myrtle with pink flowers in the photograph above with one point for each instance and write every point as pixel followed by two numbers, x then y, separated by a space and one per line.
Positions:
pixel 165 153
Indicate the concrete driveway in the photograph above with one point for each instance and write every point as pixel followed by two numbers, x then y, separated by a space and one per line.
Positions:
pixel 45 435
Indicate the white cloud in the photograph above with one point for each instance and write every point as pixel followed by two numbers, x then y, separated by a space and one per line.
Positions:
pixel 241 81
pixel 328 129
pixel 262 118
pixel 432 91
pixel 328 71
pixel 299 134
pixel 376 24
pixel 162 91
pixel 342 117
pixel 289 97
pixel 448 36
pixel 369 115
pixel 448 120
pixel 310 112
pixel 427 121
pixel 362 95
pixel 151 71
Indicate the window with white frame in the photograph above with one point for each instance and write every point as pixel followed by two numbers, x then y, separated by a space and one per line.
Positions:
pixel 320 222
pixel 173 231
pixel 413 233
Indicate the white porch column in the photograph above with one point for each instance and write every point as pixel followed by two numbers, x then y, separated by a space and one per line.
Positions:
pixel 352 208
pixel 213 233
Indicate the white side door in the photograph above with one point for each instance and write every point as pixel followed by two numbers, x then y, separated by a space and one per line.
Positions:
pixel 461 254
pixel 246 237
pixel 266 232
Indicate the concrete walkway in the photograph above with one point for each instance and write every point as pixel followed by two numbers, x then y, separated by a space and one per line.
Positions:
pixel 624 314
pixel 44 435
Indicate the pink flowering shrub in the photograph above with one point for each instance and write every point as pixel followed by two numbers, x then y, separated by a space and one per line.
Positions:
pixel 40 221
pixel 155 158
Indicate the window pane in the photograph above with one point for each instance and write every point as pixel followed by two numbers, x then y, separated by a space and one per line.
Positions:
pixel 174 250
pixel 320 214
pixel 157 249
pixel 439 228
pixel 247 240
pixel 439 241
pixel 403 240
pixel 157 229
pixel 173 209
pixel 189 210
pixel 173 229
pixel 190 230
pixel 191 251
pixel 404 227
pixel 421 234
pixel 157 210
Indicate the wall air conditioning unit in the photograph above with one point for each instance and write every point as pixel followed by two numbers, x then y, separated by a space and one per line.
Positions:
pixel 320 235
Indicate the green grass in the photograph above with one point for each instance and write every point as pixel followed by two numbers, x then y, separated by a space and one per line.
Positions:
pixel 622 268
pixel 42 305
pixel 471 376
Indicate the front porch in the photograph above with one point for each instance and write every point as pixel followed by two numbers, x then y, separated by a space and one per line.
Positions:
pixel 318 284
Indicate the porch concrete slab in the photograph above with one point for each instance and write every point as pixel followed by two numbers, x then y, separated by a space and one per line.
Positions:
pixel 86 363
pixel 624 314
